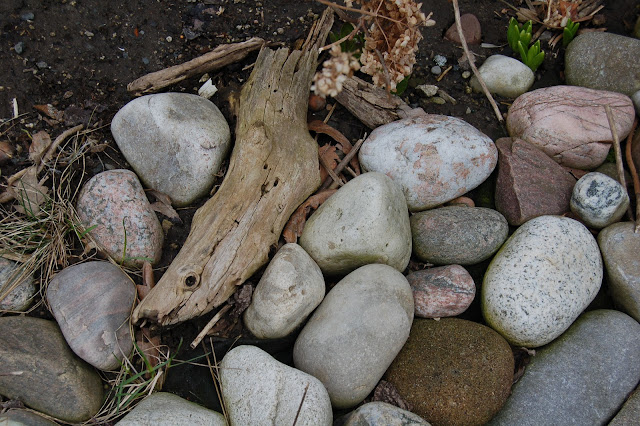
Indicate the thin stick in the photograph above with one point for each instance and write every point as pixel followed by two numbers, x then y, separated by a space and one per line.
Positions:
pixel 634 173
pixel 618 152
pixel 56 143
pixel 209 326
pixel 332 174
pixel 456 11
pixel 304 395
pixel 345 161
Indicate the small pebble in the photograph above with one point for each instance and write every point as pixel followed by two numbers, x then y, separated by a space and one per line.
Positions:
pixel 438 100
pixel 88 34
pixel 317 103
pixel 466 74
pixel 41 64
pixel 19 47
pixel 436 70
pixel 280 30
pixel 169 39
pixel 428 89
pixel 145 61
pixel 28 16
pixel 440 60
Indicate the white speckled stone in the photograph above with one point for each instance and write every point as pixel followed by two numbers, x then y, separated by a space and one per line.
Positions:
pixel 166 409
pixel 504 76
pixel 541 279
pixel 365 222
pixel 290 289
pixel 434 158
pixel 258 390
pixel 380 413
pixel 18 299
pixel 599 200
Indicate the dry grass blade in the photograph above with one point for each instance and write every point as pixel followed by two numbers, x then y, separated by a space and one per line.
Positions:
pixel 633 171
pixel 618 153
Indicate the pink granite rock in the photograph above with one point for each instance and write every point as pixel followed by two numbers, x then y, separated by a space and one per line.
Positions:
pixel 440 292
pixel 569 123
pixel 470 28
pixel 529 184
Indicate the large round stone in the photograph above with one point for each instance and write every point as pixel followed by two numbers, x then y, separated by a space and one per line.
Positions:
pixel 15 294
pixel 166 409
pixel 504 76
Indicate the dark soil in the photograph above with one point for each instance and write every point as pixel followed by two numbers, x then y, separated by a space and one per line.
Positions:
pixel 79 55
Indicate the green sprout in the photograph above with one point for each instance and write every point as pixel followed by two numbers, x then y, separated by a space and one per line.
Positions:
pixel 569 32
pixel 519 37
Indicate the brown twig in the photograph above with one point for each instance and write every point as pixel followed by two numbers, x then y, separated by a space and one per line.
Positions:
pixel 304 395
pixel 345 161
pixel 56 143
pixel 634 173
pixel 209 326
pixel 618 152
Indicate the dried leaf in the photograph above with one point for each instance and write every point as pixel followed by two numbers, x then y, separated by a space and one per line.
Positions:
pixel 50 111
pixel 163 205
pixel 295 225
pixel 30 193
pixel 345 145
pixel 388 393
pixel 328 156
pixel 242 300
pixel 40 142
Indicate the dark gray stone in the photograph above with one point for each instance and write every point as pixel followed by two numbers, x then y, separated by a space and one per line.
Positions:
pixel 20 417
pixel 629 414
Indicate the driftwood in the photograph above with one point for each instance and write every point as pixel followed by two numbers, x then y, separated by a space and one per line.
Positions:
pixel 273 169
pixel 219 57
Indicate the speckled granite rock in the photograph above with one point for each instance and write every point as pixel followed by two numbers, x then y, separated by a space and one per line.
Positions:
pixel 175 142
pixel 582 378
pixel 20 298
pixel 504 76
pixel 434 158
pixel 599 200
pixel 290 289
pixel 382 414
pixel 365 222
pixel 113 204
pixel 444 291
pixel 570 123
pixel 542 278
pixel 453 371
pixel 457 235
pixel 92 302
pixel 630 411
pixel 258 390
pixel 166 409
pixel 21 417
pixel 350 352
pixel 620 246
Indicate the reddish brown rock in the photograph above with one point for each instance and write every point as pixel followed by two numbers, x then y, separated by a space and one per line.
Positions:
pixel 529 184
pixel 470 28
pixel 440 292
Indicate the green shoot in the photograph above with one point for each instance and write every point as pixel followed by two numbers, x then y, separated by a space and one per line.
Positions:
pixel 569 32
pixel 519 37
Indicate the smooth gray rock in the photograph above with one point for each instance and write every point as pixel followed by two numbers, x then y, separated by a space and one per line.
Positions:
pixel 620 246
pixel 542 278
pixel 92 302
pixel 580 379
pixel 175 142
pixel 629 414
pixel 21 417
pixel 605 61
pixel 457 235
pixel 258 390
pixel 21 295
pixel 356 332
pixel 53 380
pixel 504 76
pixel 366 221
pixel 166 409
pixel 599 200
pixel 290 289
pixel 382 414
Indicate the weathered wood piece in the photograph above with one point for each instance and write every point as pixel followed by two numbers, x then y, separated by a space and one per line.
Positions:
pixel 274 168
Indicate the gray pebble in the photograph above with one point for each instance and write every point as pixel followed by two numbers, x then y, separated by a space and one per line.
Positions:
pixel 41 64
pixel 145 61
pixel 440 60
pixel 436 70
pixel 27 16
pixel 19 47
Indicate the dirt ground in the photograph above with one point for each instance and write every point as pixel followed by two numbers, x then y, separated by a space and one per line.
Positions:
pixel 79 56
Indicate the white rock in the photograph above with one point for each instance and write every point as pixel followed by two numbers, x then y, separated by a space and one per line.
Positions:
pixel 379 413
pixel 21 296
pixel 365 222
pixel 166 409
pixel 504 76
pixel 356 332
pixel 258 390
pixel 290 289
pixel 175 142
pixel 599 200
pixel 542 278
pixel 434 158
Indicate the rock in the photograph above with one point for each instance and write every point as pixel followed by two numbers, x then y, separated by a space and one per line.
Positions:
pixel 175 142
pixel 570 123
pixel 601 60
pixel 350 352
pixel 258 390
pixel 434 158
pixel 92 303
pixel 599 200
pixel 529 183
pixel 20 417
pixel 611 170
pixel 453 371
pixel 580 379
pixel 457 235
pixel 166 409
pixel 290 289
pixel 470 29
pixel 53 380
pixel 445 291
pixel 382 414
pixel 114 207
pixel 620 246
pixel 365 222
pixel 427 90
pixel 542 278
pixel 636 100
pixel 630 411
pixel 504 76
pixel 20 296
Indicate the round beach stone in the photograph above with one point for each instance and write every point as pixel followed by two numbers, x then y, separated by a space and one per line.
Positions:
pixel 175 142
pixel 22 417
pixel 258 390
pixel 599 200
pixel 366 221
pixel 542 278
pixel 21 296
pixel 457 235
pixel 114 207
pixel 53 381
pixel 380 413
pixel 290 289
pixel 582 378
pixel 434 158
pixel 444 291
pixel 453 371
pixel 504 76
pixel 92 302
pixel 356 332
pixel 166 409
pixel 630 411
